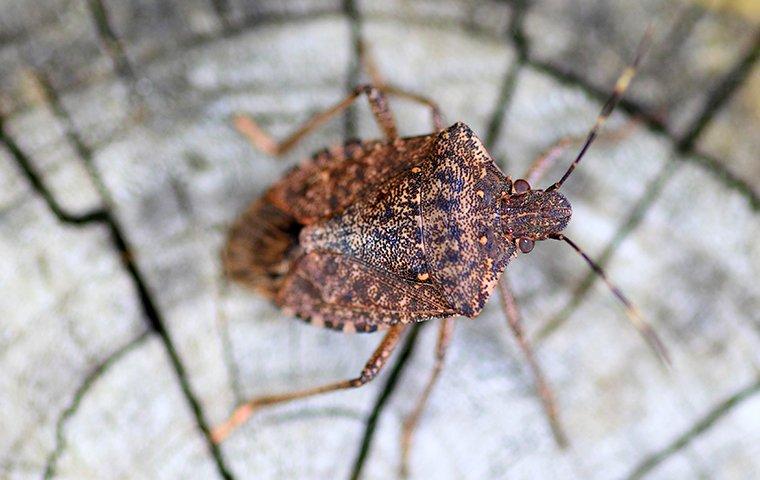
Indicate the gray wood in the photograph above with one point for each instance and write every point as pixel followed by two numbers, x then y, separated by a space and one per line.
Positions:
pixel 129 114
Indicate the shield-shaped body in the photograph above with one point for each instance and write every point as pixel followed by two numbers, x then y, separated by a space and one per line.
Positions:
pixel 370 234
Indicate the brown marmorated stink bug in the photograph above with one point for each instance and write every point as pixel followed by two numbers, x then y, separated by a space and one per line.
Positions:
pixel 376 235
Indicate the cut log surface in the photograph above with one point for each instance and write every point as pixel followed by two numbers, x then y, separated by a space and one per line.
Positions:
pixel 121 344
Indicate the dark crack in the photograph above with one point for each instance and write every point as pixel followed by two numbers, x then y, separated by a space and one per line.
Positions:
pixel 222 11
pixel 656 125
pixel 516 30
pixel 35 180
pixel 355 67
pixel 96 373
pixel 720 95
pixel 567 77
pixel 704 424
pixel 685 144
pixel 220 288
pixel 382 399
pixel 716 100
pixel 728 178
pixel 496 122
pixel 150 310
pixel 631 221
pixel 111 43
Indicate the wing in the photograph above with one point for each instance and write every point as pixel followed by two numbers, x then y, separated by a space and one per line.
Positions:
pixel 332 179
pixel 340 292
pixel 264 239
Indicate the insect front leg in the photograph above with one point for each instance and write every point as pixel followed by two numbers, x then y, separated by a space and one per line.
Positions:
pixel 373 366
pixel 410 422
pixel 378 103
pixel 545 392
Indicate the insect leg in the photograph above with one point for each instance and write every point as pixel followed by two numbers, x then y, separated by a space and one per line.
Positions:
pixel 435 111
pixel 544 390
pixel 410 422
pixel 370 66
pixel 371 369
pixel 248 127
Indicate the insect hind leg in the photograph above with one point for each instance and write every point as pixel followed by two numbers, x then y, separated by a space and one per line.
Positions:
pixel 371 369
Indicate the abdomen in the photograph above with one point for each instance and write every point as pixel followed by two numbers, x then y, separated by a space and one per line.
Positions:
pixel 261 246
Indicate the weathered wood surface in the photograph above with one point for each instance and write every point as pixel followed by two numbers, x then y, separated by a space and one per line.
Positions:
pixel 116 135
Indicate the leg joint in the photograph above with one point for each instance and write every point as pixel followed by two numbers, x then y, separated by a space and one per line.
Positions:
pixel 358 382
pixel 366 89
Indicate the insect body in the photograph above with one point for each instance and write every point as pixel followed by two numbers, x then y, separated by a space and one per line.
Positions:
pixel 373 234
pixel 377 235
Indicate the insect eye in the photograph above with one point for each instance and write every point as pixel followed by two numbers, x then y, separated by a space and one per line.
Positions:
pixel 521 186
pixel 525 245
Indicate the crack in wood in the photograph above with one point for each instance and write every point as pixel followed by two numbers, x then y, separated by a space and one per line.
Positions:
pixel 354 70
pixel 720 95
pixel 38 185
pixel 222 10
pixel 656 125
pixel 382 399
pixel 717 98
pixel 96 373
pixel 150 310
pixel 626 227
pixel 220 289
pixel 703 425
pixel 111 43
pixel 498 116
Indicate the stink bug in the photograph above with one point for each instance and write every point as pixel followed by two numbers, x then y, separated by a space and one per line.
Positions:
pixel 376 235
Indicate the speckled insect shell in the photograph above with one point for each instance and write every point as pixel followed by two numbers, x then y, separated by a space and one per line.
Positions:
pixel 370 234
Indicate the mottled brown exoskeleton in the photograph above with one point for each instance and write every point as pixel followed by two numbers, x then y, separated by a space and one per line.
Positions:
pixel 377 235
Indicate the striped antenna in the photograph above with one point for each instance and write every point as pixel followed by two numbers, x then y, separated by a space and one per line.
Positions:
pixel 646 330
pixel 620 87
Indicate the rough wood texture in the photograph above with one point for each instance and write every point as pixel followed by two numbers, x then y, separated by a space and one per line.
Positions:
pixel 116 136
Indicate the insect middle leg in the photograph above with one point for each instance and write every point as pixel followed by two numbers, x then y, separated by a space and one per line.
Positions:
pixel 410 422
pixel 370 370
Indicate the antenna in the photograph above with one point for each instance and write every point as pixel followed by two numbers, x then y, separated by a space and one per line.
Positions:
pixel 620 87
pixel 631 311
